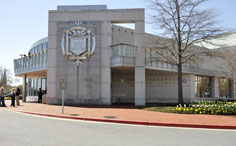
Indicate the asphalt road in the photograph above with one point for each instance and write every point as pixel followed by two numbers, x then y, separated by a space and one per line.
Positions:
pixel 18 129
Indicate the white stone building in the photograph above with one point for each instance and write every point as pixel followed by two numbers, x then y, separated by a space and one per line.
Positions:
pixel 124 67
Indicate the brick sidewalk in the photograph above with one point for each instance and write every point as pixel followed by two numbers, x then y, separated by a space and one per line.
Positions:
pixel 130 113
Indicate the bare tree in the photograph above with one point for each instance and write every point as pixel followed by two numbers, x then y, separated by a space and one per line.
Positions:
pixel 185 23
pixel 5 77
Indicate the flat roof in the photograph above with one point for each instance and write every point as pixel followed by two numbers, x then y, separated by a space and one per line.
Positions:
pixel 81 7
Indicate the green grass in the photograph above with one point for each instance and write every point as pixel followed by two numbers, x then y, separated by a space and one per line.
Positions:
pixel 167 109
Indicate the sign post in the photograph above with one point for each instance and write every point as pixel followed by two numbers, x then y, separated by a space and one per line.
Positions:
pixel 62 86
pixel 63 94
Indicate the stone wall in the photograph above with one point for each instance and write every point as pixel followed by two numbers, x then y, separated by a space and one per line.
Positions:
pixel 90 83
pixel 83 82
pixel 162 87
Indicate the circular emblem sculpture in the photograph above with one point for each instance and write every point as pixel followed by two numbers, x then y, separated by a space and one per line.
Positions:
pixel 78 43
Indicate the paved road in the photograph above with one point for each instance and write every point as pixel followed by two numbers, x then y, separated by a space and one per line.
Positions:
pixel 25 130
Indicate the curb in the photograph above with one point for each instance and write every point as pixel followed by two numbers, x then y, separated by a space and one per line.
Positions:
pixel 132 122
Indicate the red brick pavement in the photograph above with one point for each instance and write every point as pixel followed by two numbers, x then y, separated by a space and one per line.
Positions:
pixel 125 113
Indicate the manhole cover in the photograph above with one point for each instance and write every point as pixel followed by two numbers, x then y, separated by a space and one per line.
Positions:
pixel 74 114
pixel 110 117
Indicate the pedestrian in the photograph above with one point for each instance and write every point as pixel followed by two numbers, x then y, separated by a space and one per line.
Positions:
pixel 18 96
pixel 2 97
pixel 13 95
pixel 40 94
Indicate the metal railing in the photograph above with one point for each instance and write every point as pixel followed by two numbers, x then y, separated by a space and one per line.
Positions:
pixel 124 50
pixel 30 63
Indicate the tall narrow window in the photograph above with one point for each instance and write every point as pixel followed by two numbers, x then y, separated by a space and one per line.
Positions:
pixel 203 86
pixel 225 87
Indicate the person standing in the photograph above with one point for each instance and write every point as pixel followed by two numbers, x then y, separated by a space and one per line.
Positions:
pixel 13 95
pixel 18 96
pixel 2 97
pixel 40 94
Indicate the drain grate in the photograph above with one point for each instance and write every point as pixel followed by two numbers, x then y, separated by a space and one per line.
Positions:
pixel 110 117
pixel 74 114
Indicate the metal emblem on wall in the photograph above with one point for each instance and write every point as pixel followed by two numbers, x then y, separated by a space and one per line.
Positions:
pixel 78 43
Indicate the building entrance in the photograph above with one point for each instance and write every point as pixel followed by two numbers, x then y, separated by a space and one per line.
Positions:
pixel 122 86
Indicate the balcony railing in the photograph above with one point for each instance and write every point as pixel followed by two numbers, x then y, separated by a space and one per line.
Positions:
pixel 123 55
pixel 31 63
pixel 124 50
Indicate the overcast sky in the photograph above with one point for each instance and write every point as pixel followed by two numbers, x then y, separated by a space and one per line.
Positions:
pixel 23 22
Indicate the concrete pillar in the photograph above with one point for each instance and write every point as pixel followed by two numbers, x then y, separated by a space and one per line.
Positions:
pixel 140 97
pixel 24 89
pixel 106 42
pixel 232 88
pixel 52 61
pixel 215 87
pixel 192 88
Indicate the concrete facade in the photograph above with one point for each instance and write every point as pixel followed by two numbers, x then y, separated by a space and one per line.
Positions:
pixel 161 87
pixel 121 70
pixel 90 83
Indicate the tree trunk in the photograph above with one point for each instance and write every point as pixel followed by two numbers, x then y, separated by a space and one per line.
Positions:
pixel 180 83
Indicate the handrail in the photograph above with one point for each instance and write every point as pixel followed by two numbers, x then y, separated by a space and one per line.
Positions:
pixel 123 50
pixel 32 62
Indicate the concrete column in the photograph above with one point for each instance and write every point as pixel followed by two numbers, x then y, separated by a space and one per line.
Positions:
pixel 24 89
pixel 106 42
pixel 192 88
pixel 215 87
pixel 140 97
pixel 232 88
pixel 52 61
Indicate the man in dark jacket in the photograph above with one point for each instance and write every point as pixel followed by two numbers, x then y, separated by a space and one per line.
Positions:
pixel 18 96
pixel 40 94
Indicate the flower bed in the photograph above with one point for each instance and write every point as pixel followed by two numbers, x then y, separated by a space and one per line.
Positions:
pixel 207 107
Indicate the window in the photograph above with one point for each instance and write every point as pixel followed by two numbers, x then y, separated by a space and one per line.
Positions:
pixel 224 87
pixel 35 50
pixel 30 87
pixel 39 84
pixel 45 56
pixel 44 85
pixel 203 86
pixel 44 46
pixel 36 58
pixel 32 51
pixel 42 57
pixel 33 59
pixel 39 58
pixel 40 48
pixel 34 87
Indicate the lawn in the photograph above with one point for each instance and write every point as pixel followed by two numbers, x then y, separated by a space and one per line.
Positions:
pixel 167 109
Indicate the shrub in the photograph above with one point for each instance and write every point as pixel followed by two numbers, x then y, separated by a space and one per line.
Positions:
pixel 207 107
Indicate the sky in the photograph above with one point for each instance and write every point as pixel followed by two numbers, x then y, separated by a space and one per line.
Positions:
pixel 22 22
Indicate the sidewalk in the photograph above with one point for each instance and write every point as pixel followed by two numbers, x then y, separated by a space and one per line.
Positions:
pixel 127 115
